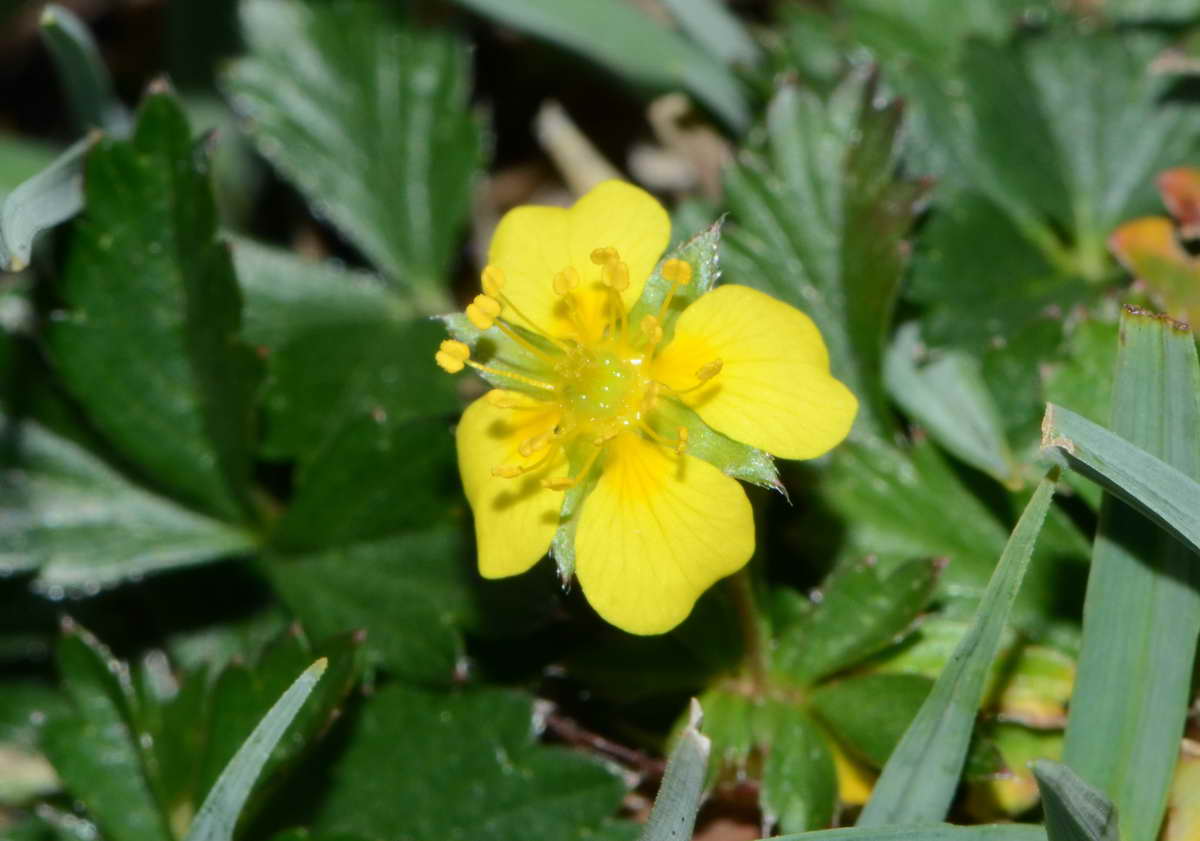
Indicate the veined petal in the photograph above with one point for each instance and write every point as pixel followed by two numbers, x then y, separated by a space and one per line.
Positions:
pixel 532 244
pixel 515 519
pixel 774 390
pixel 656 532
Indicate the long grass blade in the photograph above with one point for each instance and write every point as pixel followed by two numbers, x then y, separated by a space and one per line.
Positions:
pixel 920 778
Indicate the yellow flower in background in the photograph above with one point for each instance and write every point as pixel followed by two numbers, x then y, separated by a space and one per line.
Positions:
pixel 622 394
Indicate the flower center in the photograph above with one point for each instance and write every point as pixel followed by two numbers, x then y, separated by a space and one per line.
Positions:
pixel 602 389
pixel 597 377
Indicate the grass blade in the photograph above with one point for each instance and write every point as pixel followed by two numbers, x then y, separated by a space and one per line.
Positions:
pixel 925 832
pixel 678 800
pixel 1163 493
pixel 1075 811
pixel 1142 612
pixel 919 780
pixel 713 26
pixel 218 816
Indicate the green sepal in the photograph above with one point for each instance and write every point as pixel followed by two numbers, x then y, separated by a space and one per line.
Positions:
pixel 700 252
pixel 563 545
pixel 493 348
pixel 733 458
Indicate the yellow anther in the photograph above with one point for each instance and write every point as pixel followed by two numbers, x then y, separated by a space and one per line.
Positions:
pixel 616 275
pixel 650 397
pixel 682 442
pixel 538 442
pixel 710 370
pixel 566 280
pixel 651 329
pixel 604 256
pixel 492 280
pixel 507 471
pixel 451 356
pixel 677 271
pixel 482 312
pixel 560 483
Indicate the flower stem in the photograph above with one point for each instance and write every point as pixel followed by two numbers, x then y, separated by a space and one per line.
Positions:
pixel 754 644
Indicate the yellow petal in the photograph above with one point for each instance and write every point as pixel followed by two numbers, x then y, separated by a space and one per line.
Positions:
pixel 532 244
pixel 515 519
pixel 774 390
pixel 656 532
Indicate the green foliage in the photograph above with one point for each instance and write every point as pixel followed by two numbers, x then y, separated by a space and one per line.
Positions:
pixel 226 449
pixel 1140 575
pixel 148 344
pixel 372 126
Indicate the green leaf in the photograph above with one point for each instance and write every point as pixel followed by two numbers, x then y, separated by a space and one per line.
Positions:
pixel 799 783
pixel 819 221
pixel 678 800
pixel 919 780
pixel 859 613
pixel 111 776
pixel 1151 11
pixel 1012 286
pixel 925 832
pixel 21 158
pixel 1166 495
pixel 1012 122
pixel 950 398
pixel 441 745
pixel 288 296
pixel 373 127
pixel 411 593
pixel 1075 811
pixel 81 69
pixel 42 201
pixel 894 501
pixel 869 713
pixel 1125 742
pixel 217 817
pixel 630 43
pixel 83 526
pixel 149 343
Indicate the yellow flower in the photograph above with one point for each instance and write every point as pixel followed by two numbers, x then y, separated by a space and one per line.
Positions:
pixel 622 393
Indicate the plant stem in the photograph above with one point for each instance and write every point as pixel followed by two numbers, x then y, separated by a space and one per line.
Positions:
pixel 755 654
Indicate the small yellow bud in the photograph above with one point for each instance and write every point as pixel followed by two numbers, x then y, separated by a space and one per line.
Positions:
pixel 678 272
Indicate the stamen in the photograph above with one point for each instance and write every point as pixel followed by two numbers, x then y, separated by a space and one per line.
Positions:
pixel 483 311
pixel 615 275
pixel 451 356
pixel 512 471
pixel 681 444
pixel 512 375
pixel 710 370
pixel 650 397
pixel 564 483
pixel 492 279
pixel 508 330
pixel 566 281
pixel 678 273
pixel 604 256
pixel 652 331
pixel 653 435
pixel 538 442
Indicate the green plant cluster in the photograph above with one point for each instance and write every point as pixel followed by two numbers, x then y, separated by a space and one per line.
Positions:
pixel 237 586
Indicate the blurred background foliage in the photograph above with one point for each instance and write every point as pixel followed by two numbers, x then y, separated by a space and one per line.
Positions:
pixel 188 520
